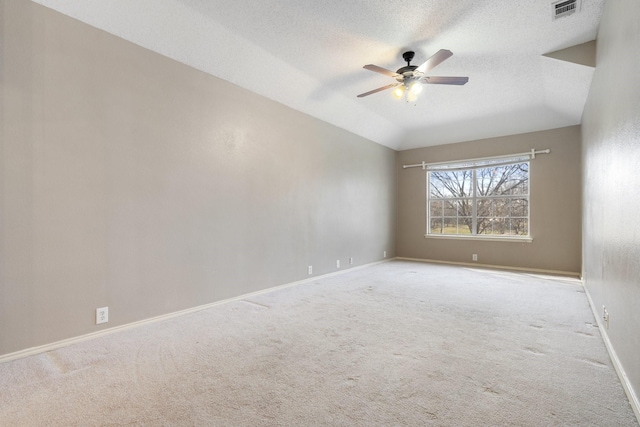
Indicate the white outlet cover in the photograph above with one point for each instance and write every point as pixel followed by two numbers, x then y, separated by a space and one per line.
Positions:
pixel 102 315
pixel 310 269
pixel 337 263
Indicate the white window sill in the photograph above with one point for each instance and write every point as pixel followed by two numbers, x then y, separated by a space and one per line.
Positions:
pixel 486 238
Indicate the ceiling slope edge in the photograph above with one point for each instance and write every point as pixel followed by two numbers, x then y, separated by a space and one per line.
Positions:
pixel 583 54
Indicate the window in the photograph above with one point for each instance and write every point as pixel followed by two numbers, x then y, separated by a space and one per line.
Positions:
pixel 483 200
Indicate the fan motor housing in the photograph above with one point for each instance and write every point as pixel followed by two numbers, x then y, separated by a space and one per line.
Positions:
pixel 407 69
pixel 405 72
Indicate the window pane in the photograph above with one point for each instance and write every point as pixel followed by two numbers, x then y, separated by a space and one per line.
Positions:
pixel 520 227
pixel 465 207
pixel 450 184
pixel 519 208
pixel 501 207
pixel 518 182
pixel 451 208
pixel 503 180
pixel 464 225
pixel 485 208
pixel 500 226
pixel 436 226
pixel 435 208
pixel 484 225
pixel 450 226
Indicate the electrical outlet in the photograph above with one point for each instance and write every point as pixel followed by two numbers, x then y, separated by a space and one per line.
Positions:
pixel 337 263
pixel 605 317
pixel 384 254
pixel 102 315
pixel 310 269
pixel 350 261
pixel 474 257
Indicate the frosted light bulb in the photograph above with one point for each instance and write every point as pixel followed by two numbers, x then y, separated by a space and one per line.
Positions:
pixel 398 92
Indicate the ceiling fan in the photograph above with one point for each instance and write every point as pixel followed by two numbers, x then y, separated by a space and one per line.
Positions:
pixel 411 78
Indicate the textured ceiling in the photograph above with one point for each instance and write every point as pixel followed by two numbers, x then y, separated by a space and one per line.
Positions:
pixel 309 54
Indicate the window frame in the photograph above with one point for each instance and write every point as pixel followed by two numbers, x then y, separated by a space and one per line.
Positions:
pixel 474 199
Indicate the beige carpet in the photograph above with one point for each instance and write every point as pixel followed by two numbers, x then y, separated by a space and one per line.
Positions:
pixel 395 344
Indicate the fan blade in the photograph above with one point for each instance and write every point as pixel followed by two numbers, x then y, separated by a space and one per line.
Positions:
pixel 439 80
pixel 381 70
pixel 439 57
pixel 380 89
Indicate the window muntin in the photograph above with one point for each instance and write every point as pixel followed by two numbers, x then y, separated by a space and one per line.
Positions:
pixel 481 201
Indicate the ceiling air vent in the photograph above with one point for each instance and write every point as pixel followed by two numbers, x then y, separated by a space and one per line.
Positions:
pixel 560 9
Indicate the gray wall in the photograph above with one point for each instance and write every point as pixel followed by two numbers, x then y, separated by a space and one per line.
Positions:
pixel 611 160
pixel 555 204
pixel 132 181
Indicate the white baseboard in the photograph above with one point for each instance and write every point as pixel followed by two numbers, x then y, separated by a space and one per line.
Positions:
pixel 70 341
pixel 498 267
pixel 624 379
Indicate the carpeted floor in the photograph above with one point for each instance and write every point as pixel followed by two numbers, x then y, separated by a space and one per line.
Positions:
pixel 394 344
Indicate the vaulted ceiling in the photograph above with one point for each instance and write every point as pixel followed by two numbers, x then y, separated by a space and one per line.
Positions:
pixel 309 54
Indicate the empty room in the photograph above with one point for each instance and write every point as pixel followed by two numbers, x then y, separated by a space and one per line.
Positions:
pixel 338 213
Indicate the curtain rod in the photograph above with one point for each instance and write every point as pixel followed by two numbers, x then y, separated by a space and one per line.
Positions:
pixel 531 153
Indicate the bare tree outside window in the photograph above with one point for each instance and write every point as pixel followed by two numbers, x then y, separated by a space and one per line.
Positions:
pixel 482 201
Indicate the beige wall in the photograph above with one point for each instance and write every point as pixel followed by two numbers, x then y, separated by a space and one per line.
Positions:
pixel 611 160
pixel 554 199
pixel 132 181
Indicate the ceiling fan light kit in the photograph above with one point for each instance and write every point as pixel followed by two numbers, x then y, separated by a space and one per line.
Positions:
pixel 411 77
pixel 410 88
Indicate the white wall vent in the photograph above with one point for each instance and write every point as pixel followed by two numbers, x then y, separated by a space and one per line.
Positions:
pixel 563 8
